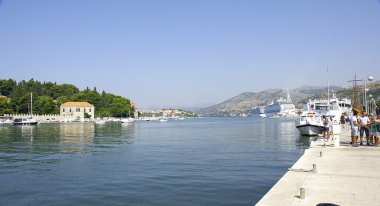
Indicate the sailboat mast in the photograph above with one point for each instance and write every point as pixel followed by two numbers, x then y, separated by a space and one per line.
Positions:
pixel 328 90
pixel 31 104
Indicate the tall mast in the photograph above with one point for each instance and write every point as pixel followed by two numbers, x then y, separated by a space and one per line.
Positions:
pixel 355 94
pixel 31 104
pixel 328 90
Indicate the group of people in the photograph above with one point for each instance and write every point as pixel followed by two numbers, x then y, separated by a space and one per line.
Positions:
pixel 365 125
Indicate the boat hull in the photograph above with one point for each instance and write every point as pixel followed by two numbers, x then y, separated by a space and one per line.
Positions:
pixel 25 123
pixel 309 129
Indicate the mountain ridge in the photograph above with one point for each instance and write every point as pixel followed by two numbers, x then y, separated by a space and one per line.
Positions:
pixel 243 102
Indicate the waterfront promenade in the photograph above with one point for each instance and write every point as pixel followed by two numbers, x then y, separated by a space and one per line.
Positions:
pixel 344 175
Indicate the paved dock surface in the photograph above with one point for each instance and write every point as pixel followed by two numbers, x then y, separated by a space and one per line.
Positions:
pixel 345 175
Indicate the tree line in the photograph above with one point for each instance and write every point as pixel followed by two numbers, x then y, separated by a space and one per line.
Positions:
pixel 48 97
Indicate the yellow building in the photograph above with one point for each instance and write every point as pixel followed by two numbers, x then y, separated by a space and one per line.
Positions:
pixel 75 111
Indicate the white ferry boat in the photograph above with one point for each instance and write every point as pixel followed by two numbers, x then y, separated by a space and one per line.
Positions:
pixel 310 124
pixel 310 121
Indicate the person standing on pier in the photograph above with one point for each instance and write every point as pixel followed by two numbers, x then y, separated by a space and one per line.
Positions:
pixel 373 130
pixel 378 131
pixel 354 127
pixel 364 128
pixel 326 128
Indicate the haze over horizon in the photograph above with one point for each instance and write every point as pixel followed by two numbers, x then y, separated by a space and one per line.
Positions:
pixel 184 53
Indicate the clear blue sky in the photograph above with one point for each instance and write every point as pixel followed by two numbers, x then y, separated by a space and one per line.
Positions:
pixel 162 52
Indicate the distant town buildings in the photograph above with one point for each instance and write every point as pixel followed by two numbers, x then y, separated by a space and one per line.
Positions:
pixel 76 111
pixel 167 113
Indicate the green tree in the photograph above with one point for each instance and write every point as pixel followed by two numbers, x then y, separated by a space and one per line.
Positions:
pixel 63 90
pixel 7 86
pixel 21 105
pixel 44 105
pixel 78 97
pixel 5 107
pixel 120 107
pixel 62 99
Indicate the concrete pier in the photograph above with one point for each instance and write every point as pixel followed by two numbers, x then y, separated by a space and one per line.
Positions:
pixel 344 175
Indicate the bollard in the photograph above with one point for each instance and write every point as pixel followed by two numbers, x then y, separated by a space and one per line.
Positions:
pixel 302 193
pixel 321 154
pixel 314 168
pixel 336 141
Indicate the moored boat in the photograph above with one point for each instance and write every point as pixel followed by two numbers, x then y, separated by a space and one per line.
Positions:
pixel 309 124
pixel 25 121
pixel 127 120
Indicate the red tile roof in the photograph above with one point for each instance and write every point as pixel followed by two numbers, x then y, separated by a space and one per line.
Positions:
pixel 77 104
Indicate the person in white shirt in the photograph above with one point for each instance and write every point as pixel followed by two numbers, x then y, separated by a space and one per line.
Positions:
pixel 364 128
pixel 354 127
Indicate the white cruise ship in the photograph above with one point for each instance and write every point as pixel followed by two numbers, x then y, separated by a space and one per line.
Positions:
pixel 258 111
pixel 280 108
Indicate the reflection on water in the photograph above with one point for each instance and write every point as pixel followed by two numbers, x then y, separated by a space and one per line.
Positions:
pixel 32 148
pixel 77 133
pixel 67 133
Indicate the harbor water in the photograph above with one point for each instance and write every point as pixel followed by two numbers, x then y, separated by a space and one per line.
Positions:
pixel 210 161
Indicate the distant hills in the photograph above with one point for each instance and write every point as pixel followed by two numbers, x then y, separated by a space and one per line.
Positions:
pixel 243 103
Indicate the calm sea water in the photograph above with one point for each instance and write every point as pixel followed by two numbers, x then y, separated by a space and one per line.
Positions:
pixel 211 161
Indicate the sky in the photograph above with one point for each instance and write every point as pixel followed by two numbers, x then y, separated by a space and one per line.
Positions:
pixel 189 52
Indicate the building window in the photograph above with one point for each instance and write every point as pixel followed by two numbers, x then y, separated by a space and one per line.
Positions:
pixel 84 109
pixel 70 110
pixel 90 110
pixel 78 109
pixel 63 110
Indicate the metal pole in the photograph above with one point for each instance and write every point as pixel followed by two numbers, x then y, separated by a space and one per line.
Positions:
pixel 365 96
pixel 328 91
pixel 31 104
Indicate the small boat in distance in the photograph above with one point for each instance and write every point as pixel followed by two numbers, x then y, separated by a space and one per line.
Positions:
pixel 27 120
pixel 100 121
pixel 127 120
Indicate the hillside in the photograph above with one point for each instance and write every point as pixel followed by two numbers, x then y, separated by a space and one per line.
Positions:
pixel 243 103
